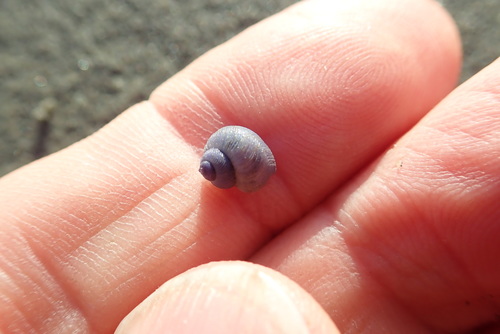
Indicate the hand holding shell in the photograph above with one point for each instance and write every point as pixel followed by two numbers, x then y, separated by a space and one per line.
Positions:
pixel 235 155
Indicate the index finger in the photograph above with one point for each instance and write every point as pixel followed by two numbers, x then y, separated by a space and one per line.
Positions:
pixel 327 85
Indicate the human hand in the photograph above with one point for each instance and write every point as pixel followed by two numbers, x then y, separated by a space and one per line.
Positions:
pixel 381 236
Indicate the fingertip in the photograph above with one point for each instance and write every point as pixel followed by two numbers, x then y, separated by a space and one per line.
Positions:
pixel 229 297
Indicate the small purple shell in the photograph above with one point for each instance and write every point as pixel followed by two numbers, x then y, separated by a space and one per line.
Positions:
pixel 237 156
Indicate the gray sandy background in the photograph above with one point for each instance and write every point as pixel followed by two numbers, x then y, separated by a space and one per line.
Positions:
pixel 69 67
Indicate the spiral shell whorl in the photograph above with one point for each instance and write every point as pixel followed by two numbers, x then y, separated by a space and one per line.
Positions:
pixel 235 155
pixel 216 167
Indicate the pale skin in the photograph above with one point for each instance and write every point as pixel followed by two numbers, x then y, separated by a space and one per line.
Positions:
pixel 383 216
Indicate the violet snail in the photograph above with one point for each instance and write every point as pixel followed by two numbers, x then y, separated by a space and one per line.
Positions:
pixel 237 156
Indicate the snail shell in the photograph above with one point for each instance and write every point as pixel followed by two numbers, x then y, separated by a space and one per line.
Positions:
pixel 237 156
